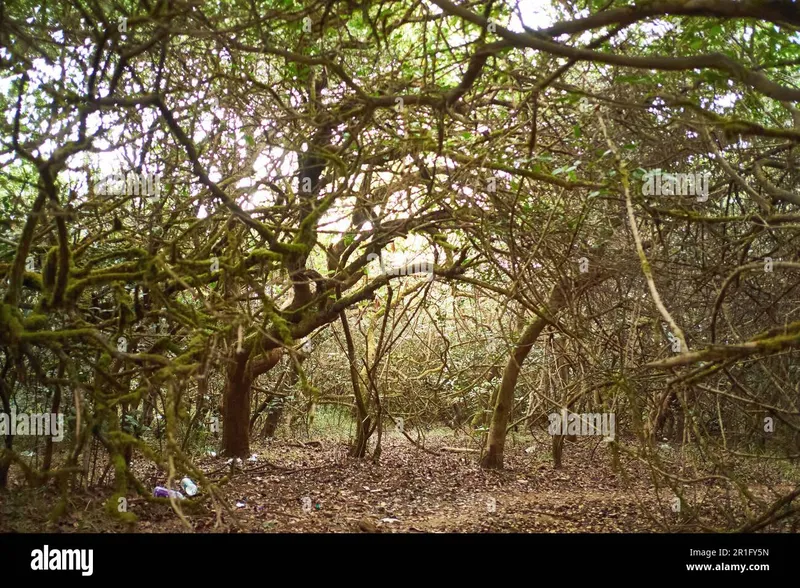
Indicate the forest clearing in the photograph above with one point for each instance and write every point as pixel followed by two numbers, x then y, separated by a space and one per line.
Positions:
pixel 438 491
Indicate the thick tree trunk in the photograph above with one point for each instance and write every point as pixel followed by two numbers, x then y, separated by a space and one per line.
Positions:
pixel 493 459
pixel 236 413
pixel 236 398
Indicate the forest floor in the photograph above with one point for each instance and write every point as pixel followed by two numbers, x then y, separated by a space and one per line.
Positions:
pixel 293 486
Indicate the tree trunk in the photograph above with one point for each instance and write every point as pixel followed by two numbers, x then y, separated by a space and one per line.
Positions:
pixel 242 371
pixel 272 420
pixel 275 412
pixel 558 448
pixel 236 413
pixel 505 396
pixel 363 421
pixel 47 462
pixel 493 459
pixel 149 405
pixel 558 390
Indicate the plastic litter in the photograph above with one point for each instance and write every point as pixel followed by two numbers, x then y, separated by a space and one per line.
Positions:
pixel 188 486
pixel 161 492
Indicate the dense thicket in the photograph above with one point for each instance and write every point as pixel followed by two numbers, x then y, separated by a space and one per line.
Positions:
pixel 412 212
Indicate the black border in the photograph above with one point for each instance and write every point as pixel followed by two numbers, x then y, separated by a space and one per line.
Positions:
pixel 559 558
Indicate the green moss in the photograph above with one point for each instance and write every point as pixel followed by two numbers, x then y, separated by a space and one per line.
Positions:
pixel 294 248
pixel 131 398
pixel 78 286
pixel 196 343
pixel 10 323
pixel 104 362
pixel 43 336
pixel 281 326
pixel 175 369
pixel 32 281
pixel 123 300
pixel 35 322
pixel 264 255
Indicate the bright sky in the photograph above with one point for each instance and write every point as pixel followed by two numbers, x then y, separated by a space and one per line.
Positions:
pixel 536 14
